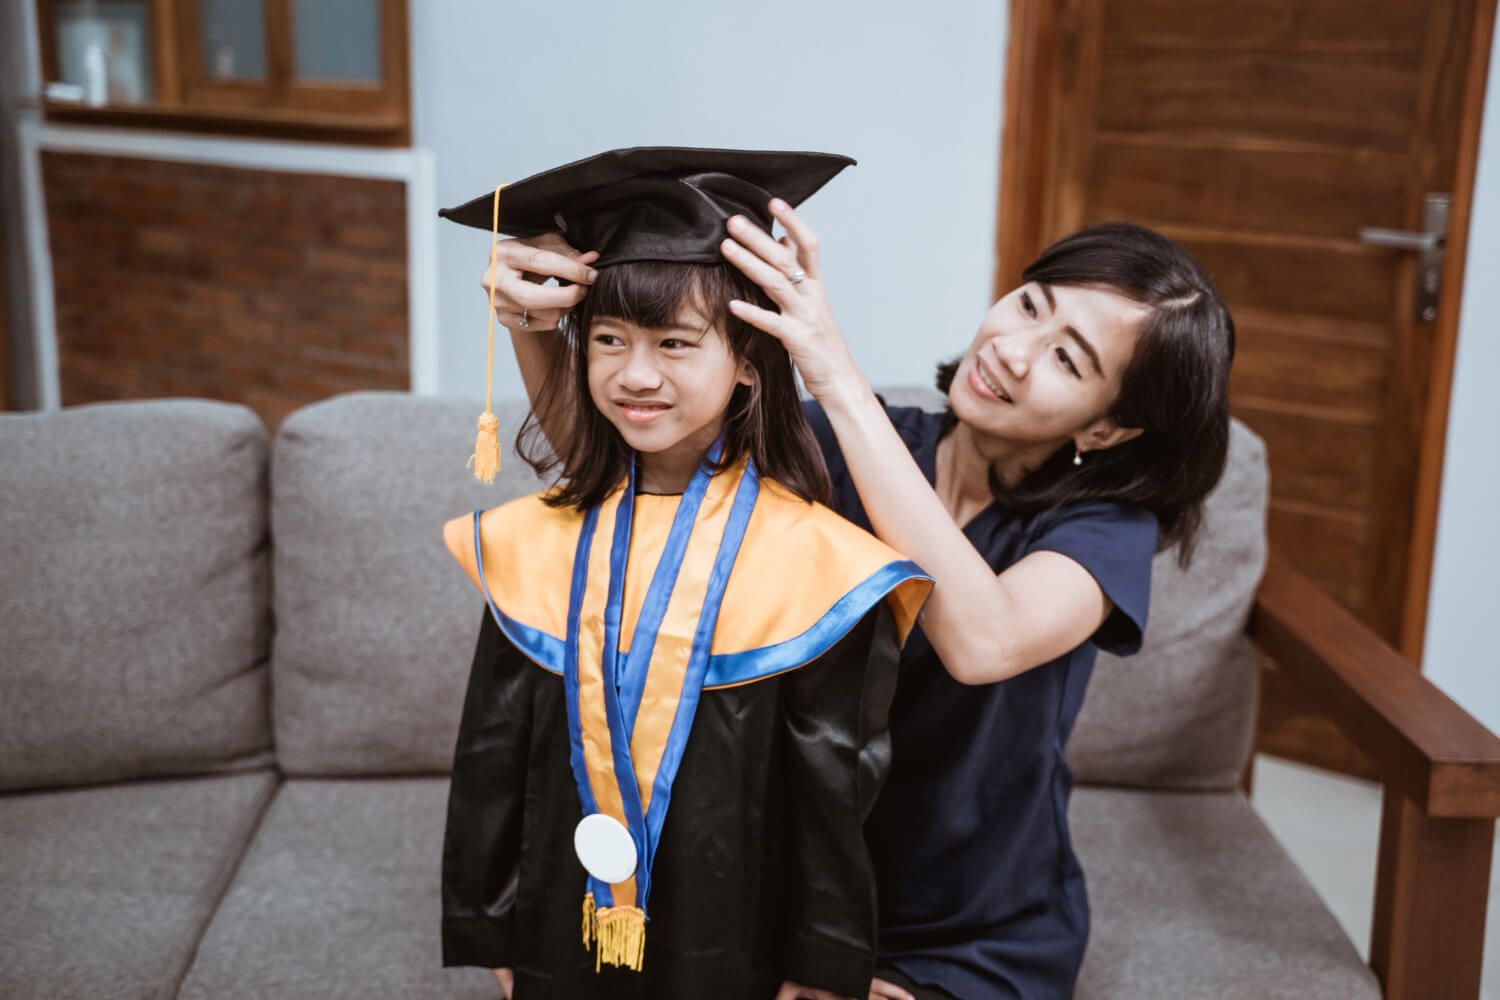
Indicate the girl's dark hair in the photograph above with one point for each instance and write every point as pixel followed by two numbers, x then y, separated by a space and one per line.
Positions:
pixel 765 420
pixel 1175 387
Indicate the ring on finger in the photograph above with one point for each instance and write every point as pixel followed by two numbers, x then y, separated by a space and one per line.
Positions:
pixel 525 317
pixel 798 276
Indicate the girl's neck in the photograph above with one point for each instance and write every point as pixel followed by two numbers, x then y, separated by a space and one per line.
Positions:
pixel 671 470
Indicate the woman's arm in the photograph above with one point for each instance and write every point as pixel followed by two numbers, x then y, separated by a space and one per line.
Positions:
pixel 984 627
pixel 516 274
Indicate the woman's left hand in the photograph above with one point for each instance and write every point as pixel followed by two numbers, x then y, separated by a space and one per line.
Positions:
pixel 805 324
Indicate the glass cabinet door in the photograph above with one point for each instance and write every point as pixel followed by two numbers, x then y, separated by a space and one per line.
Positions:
pixel 336 41
pixel 233 39
pixel 102 51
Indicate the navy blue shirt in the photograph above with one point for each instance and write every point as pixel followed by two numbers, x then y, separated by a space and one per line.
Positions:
pixel 980 892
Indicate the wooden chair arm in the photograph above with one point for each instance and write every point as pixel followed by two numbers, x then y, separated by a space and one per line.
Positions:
pixel 1441 772
pixel 1424 745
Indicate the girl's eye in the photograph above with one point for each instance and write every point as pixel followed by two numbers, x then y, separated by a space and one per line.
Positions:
pixel 1027 305
pixel 1062 356
pixel 606 340
pixel 674 343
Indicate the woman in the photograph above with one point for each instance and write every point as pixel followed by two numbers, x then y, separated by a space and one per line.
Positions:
pixel 1086 422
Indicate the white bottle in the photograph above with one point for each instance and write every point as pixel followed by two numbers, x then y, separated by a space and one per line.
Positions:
pixel 95 73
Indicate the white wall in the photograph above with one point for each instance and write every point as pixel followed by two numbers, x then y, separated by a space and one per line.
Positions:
pixel 911 91
pixel 1462 654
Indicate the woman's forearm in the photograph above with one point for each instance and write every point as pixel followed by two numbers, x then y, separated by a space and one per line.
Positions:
pixel 964 618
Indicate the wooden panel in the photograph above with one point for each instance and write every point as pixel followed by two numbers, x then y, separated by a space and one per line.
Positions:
pixel 1315 461
pixel 1326 546
pixel 1356 101
pixel 1334 25
pixel 1309 192
pixel 1286 363
pixel 1319 281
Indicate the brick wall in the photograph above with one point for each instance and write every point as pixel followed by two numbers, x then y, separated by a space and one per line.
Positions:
pixel 264 288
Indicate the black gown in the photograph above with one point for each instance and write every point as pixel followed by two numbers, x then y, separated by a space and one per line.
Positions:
pixel 762 873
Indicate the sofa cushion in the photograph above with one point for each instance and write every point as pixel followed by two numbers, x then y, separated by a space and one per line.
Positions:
pixel 338 897
pixel 1191 896
pixel 135 597
pixel 108 889
pixel 1181 712
pixel 375 622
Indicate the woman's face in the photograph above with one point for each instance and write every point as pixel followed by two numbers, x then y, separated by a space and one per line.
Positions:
pixel 1046 366
pixel 667 389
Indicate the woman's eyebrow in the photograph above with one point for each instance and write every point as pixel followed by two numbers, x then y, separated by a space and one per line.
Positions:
pixel 1086 347
pixel 1083 342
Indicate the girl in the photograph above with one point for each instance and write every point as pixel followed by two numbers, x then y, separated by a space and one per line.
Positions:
pixel 677 624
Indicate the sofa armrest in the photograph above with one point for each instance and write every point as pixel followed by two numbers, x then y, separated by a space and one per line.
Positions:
pixel 1424 745
pixel 1441 774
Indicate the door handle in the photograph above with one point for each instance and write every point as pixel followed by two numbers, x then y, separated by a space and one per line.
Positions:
pixel 1403 239
pixel 1431 242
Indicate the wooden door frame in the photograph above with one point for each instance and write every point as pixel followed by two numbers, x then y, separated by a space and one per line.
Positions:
pixel 1037 51
pixel 1445 342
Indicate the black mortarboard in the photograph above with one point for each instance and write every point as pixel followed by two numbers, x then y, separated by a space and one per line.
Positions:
pixel 652 202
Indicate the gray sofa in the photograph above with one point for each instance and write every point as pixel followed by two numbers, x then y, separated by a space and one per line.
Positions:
pixel 230 682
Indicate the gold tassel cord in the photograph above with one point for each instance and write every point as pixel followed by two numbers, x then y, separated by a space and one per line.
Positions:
pixel 486 457
pixel 617 935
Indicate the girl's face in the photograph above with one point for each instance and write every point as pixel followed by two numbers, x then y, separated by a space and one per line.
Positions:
pixel 665 390
pixel 1046 366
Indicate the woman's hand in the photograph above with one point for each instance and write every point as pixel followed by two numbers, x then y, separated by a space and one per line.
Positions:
pixel 882 990
pixel 805 324
pixel 879 990
pixel 517 271
pixel 793 991
pixel 507 980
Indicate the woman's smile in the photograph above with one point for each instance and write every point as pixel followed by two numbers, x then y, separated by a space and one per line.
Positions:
pixel 986 384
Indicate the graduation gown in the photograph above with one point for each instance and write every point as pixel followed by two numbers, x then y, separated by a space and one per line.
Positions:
pixel 761 872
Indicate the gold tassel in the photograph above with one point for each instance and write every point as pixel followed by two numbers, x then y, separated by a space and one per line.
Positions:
pixel 590 922
pixel 619 934
pixel 486 457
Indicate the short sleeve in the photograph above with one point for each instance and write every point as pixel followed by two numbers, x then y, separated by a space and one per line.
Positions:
pixel 1116 544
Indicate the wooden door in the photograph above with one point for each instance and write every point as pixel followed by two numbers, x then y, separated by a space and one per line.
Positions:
pixel 1265 136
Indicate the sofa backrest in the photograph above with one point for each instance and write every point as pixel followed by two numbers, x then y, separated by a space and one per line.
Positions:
pixel 1180 714
pixel 134 592
pixel 375 622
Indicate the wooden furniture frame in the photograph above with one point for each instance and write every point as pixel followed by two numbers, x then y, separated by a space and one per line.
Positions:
pixel 1440 770
pixel 279 106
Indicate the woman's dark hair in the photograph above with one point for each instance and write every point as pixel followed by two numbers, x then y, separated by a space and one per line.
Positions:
pixel 1175 387
pixel 765 420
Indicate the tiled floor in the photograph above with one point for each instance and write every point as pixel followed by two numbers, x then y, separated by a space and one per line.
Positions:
pixel 1331 826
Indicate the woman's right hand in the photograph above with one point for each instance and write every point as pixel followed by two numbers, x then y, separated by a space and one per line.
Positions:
pixel 518 268
pixel 507 978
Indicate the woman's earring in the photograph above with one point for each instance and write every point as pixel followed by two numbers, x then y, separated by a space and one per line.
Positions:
pixel 1077 456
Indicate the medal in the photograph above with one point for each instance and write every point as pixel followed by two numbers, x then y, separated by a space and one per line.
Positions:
pixel 605 848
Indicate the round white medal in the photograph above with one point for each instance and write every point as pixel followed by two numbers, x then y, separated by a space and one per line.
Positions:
pixel 605 847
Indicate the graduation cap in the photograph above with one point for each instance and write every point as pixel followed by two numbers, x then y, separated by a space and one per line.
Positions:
pixel 668 203
pixel 651 202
